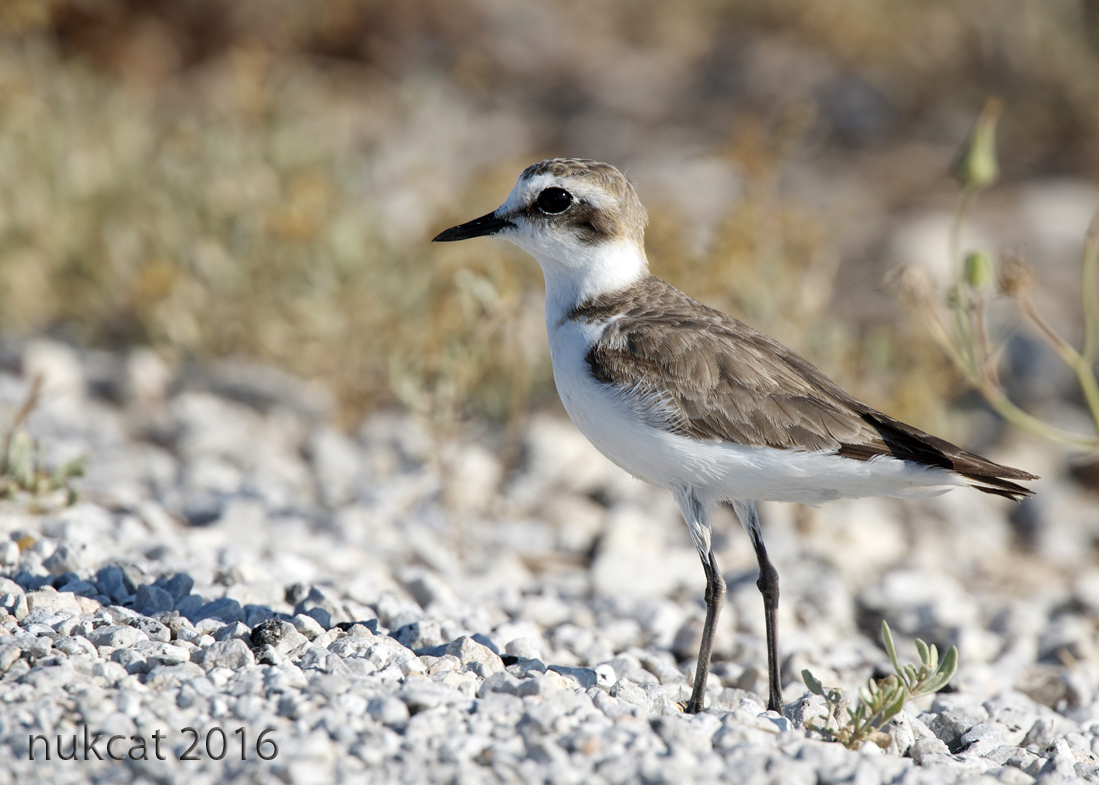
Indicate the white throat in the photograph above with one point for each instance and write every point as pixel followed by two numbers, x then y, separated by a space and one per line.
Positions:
pixel 576 273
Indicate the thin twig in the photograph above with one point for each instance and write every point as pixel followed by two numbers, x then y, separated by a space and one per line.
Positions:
pixel 1090 284
pixel 20 416
pixel 1085 375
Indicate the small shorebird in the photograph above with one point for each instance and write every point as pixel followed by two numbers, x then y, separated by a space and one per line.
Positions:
pixel 682 396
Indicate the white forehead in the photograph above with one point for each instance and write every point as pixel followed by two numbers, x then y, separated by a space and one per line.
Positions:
pixel 526 190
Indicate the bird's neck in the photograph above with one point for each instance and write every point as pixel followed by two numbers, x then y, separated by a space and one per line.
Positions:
pixel 587 273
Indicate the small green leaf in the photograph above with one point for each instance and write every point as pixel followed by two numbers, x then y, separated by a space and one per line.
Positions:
pixel 976 165
pixel 890 648
pixel 812 683
pixel 943 676
pixel 921 647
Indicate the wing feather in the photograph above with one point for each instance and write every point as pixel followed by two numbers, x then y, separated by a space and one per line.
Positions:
pixel 721 380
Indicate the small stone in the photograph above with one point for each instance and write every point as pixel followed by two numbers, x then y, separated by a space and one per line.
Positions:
pixel 922 750
pixel 232 654
pixel 224 609
pixel 113 582
pixel 324 606
pixel 628 692
pixel 982 738
pixel 79 588
pixel 951 724
pixel 67 558
pixel 154 630
pixel 537 686
pixel 9 553
pixel 190 605
pixel 9 655
pixel 501 681
pixel 420 634
pixel 529 648
pixel 585 677
pixel 257 614
pixel 153 599
pixel 426 587
pixel 475 656
pixel 388 710
pixel 267 633
pixel 52 601
pixel 316 658
pixel 167 676
pixel 307 626
pixel 178 585
pixel 234 630
pixel 116 636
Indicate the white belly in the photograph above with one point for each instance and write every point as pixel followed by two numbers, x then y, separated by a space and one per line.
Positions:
pixel 630 437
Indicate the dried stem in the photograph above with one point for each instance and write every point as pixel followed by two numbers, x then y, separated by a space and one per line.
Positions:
pixel 20 416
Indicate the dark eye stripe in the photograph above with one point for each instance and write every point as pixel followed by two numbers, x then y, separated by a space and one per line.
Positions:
pixel 554 200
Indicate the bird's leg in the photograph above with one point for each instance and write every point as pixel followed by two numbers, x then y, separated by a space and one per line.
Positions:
pixel 768 587
pixel 715 598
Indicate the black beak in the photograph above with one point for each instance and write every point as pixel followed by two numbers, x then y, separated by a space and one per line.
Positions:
pixel 478 227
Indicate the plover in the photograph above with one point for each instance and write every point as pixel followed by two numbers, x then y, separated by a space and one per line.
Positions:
pixel 682 396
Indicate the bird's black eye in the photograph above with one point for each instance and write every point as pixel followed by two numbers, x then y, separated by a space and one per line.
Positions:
pixel 554 200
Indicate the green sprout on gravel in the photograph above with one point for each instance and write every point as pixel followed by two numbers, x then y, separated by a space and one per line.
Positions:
pixel 23 474
pixel 881 699
pixel 966 341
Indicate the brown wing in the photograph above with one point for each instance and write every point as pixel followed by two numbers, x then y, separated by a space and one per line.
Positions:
pixel 725 381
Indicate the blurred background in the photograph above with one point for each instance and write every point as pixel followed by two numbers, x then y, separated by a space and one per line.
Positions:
pixel 260 179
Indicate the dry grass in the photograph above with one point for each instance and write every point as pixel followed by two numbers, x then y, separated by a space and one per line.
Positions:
pixel 271 195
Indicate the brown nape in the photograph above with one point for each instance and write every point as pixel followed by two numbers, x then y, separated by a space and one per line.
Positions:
pixel 911 444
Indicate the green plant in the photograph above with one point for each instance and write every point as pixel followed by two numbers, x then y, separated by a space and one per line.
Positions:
pixel 967 342
pixel 23 473
pixel 881 699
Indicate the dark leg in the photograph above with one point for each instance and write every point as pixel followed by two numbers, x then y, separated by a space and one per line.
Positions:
pixel 768 587
pixel 715 598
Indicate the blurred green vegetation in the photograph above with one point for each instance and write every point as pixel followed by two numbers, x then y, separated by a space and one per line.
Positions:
pixel 261 179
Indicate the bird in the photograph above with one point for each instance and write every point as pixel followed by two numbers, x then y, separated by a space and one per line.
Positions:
pixel 689 399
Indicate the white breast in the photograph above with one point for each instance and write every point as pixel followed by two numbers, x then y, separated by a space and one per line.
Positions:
pixel 625 429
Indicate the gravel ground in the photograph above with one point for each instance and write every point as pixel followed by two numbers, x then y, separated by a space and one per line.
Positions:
pixel 397 605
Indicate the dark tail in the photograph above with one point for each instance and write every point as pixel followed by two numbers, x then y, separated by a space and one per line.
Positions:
pixel 911 444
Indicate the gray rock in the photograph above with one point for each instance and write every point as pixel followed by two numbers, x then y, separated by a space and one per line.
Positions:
pixel 257 614
pixel 164 677
pixel 9 553
pixel 178 585
pixel 388 710
pixel 927 750
pixel 307 626
pixel 950 725
pixel 153 599
pixel 420 634
pixel 232 654
pixel 154 630
pixel 9 655
pixel 234 630
pixel 13 599
pixel 225 609
pixel 113 582
pixel 475 657
pixel 317 658
pixel 981 739
pixel 1010 755
pixel 116 636
pixel 585 677
pixel 324 606
pixel 628 692
pixel 501 681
